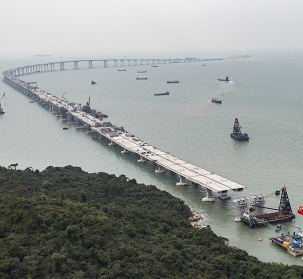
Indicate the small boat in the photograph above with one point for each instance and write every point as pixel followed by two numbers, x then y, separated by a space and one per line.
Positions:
pixel 204 65
pixel 154 66
pixel 172 81
pixel 277 192
pixel 237 134
pixel 65 128
pixel 223 79
pixel 101 115
pixel 217 101
pixel 238 219
pixel 138 78
pixel 300 209
pixel 160 94
pixel 121 70
pixel 93 82
pixel 31 102
pixel 141 72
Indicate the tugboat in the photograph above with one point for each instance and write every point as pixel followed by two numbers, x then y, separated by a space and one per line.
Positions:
pixel 236 134
pixel 1 109
pixel 93 82
pixel 223 79
pixel 217 101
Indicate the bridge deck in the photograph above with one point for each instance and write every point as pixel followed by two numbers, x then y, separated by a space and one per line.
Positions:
pixel 133 144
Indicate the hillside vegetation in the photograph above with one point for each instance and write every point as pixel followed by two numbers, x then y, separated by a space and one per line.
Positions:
pixel 67 223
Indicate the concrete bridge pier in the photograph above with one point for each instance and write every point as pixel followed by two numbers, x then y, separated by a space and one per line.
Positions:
pixel 159 169
pixel 115 62
pixel 223 195
pixel 141 160
pixel 182 181
pixel 79 123
pixel 122 62
pixel 112 143
pixel 208 197
pixel 125 151
pixel 105 63
pixel 62 66
pixel 76 65
pixel 70 119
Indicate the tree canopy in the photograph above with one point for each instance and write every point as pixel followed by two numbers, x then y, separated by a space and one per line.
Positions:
pixel 66 223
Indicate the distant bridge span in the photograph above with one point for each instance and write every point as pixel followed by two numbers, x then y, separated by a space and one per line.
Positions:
pixel 61 65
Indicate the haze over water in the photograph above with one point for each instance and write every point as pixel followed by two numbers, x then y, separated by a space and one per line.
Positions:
pixel 265 94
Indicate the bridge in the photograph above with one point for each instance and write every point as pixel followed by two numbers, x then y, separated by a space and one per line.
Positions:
pixel 187 172
pixel 75 64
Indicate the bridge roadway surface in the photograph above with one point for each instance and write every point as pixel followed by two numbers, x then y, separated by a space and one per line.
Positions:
pixel 118 136
pixel 147 152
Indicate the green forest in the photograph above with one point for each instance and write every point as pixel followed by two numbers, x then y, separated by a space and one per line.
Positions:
pixel 63 222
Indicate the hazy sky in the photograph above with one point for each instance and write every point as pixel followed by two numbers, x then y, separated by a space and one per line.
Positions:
pixel 126 27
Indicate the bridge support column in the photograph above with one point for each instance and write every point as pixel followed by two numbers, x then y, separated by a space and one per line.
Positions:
pixel 141 160
pixel 62 66
pixel 90 64
pixel 182 181
pixel 125 151
pixel 223 195
pixel 76 65
pixel 208 197
pixel 159 169
pixel 112 143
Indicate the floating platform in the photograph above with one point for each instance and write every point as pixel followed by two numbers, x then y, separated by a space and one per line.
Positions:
pixel 291 245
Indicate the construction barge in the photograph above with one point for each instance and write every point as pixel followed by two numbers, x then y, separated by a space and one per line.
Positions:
pixel 292 244
pixel 283 214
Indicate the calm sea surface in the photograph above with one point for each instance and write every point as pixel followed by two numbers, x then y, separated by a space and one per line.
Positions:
pixel 265 94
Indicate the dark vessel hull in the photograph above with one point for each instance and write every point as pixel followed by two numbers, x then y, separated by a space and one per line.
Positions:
pixel 216 101
pixel 160 94
pixel 240 137
pixel 269 218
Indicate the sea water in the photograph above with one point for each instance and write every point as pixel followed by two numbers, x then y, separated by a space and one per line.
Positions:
pixel 264 93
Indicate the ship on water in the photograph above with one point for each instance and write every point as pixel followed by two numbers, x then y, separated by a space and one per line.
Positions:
pixel 45 54
pixel 283 214
pixel 237 134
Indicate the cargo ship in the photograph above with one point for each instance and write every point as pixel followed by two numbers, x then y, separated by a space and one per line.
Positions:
pixel 283 214
pixel 160 94
pixel 223 79
pixel 38 55
pixel 237 134
pixel 138 78
pixel 172 81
